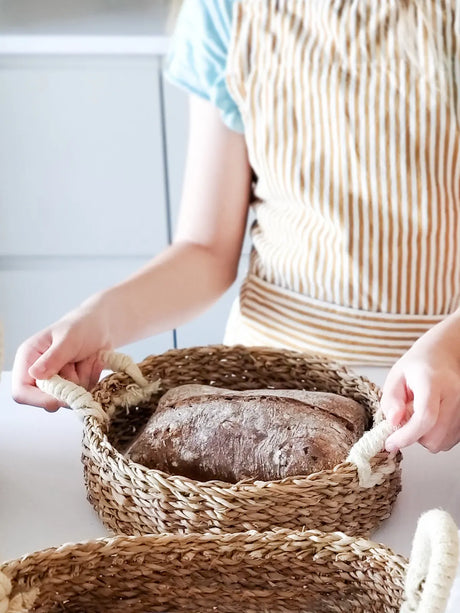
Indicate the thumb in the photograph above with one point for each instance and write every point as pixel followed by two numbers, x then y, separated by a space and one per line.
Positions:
pixel 51 362
pixel 394 400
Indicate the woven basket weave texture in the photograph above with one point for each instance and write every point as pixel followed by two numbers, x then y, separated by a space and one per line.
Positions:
pixel 280 571
pixel 249 572
pixel 132 500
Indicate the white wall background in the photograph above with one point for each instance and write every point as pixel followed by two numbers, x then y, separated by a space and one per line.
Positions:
pixel 92 152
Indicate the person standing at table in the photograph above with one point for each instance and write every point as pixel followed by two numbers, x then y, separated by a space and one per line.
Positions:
pixel 338 120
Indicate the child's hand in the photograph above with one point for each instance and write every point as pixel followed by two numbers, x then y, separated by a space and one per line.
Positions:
pixel 422 391
pixel 70 347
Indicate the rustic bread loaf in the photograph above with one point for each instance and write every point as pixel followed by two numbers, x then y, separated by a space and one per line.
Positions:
pixel 205 433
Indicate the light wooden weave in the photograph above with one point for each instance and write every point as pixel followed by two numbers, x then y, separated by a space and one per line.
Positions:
pixel 132 499
pixel 282 571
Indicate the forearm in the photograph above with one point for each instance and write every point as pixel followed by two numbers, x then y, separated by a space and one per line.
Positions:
pixel 174 287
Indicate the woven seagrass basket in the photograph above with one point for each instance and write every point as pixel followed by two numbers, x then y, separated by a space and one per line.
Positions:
pixel 354 497
pixel 280 571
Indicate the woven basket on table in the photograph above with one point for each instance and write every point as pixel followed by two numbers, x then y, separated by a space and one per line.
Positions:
pixel 353 497
pixel 280 571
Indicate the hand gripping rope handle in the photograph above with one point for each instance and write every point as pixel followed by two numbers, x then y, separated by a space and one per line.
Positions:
pixel 80 400
pixel 365 449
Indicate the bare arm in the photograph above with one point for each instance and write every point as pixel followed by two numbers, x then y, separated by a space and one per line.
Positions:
pixel 203 260
pixel 175 286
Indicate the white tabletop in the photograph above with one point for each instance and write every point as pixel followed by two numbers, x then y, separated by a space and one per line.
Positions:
pixel 43 498
pixel 42 494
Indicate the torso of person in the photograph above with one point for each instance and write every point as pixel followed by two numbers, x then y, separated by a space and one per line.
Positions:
pixel 355 150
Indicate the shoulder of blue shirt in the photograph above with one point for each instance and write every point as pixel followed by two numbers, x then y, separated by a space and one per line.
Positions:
pixel 198 53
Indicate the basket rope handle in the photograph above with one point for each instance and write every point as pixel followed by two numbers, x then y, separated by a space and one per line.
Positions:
pixel 21 603
pixel 82 401
pixel 434 559
pixel 120 362
pixel 365 449
pixel 75 396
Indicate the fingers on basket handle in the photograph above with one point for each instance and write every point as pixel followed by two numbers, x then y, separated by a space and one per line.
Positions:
pixel 120 362
pixel 75 396
pixel 21 603
pixel 365 449
pixel 434 559
pixel 79 399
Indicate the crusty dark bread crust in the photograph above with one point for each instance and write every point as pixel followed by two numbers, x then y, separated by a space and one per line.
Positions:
pixel 205 433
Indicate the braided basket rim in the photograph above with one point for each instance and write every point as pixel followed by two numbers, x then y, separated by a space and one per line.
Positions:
pixel 332 541
pixel 340 471
pixel 51 576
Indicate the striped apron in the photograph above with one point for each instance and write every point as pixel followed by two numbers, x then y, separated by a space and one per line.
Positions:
pixel 355 151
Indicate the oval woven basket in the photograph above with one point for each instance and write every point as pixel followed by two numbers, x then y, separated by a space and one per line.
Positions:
pixel 354 497
pixel 280 571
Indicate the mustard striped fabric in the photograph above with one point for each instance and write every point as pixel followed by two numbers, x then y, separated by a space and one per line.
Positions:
pixel 356 154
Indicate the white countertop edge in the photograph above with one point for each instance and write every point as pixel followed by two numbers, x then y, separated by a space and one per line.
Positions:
pixel 83 45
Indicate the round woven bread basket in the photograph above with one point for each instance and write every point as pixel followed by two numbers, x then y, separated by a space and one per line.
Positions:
pixel 279 571
pixel 353 497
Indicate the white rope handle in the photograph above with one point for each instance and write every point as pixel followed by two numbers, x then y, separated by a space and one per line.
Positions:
pixel 75 396
pixel 365 449
pixel 21 603
pixel 434 559
pixel 80 400
pixel 120 362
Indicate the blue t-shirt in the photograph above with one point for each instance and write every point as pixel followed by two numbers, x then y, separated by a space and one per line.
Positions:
pixel 197 58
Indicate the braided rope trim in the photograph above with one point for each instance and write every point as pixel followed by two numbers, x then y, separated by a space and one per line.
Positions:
pixel 21 603
pixel 365 449
pixel 120 362
pixel 434 559
pixel 82 401
pixel 79 399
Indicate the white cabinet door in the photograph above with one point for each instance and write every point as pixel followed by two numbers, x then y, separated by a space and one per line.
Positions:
pixel 82 188
pixel 210 327
pixel 81 157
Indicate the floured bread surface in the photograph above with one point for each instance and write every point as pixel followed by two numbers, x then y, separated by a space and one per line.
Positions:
pixel 206 433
